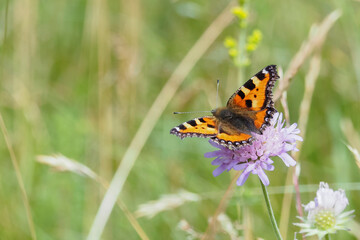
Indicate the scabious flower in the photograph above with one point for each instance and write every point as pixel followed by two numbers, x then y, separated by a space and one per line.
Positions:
pixel 325 213
pixel 276 140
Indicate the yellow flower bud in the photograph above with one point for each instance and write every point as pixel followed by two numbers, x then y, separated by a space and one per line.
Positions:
pixel 251 47
pixel 255 37
pixel 233 52
pixel 229 42
pixel 240 12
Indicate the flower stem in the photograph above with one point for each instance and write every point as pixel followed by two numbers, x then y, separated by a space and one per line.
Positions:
pixel 327 237
pixel 271 213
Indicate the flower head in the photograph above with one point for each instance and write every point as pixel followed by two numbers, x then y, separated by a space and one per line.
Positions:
pixel 325 213
pixel 276 140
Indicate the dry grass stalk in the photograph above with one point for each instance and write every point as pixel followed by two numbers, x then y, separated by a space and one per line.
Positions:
pixel 316 38
pixel 310 81
pixel 19 178
pixel 350 132
pixel 283 101
pixel 64 164
pixel 247 224
pixel 304 111
pixel 157 108
pixel 186 227
pixel 355 153
pixel 211 229
pixel 228 226
pixel 166 202
pixel 352 137
pixel 224 221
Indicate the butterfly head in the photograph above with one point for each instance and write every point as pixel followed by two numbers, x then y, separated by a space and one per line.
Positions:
pixel 222 114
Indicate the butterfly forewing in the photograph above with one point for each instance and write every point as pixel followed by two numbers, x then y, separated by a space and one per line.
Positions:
pixel 255 94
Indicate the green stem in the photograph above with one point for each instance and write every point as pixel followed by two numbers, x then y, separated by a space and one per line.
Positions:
pixel 327 237
pixel 271 213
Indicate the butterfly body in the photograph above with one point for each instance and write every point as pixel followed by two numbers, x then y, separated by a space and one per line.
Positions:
pixel 235 121
pixel 248 111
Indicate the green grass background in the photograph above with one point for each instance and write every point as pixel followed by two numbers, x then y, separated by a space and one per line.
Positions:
pixel 78 77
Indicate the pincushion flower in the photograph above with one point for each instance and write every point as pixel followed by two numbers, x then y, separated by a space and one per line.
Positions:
pixel 276 140
pixel 325 213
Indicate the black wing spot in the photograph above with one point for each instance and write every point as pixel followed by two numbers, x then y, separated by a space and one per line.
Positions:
pixel 260 76
pixel 202 120
pixel 255 96
pixel 241 94
pixel 211 126
pixel 192 123
pixel 257 89
pixel 248 103
pixel 249 85
pixel 182 127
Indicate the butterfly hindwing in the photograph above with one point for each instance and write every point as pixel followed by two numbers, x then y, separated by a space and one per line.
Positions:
pixel 198 127
pixel 255 94
pixel 232 140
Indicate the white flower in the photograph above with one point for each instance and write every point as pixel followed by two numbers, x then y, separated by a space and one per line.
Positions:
pixel 325 213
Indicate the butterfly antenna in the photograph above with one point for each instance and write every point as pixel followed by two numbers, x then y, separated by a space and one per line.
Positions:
pixel 217 93
pixel 193 112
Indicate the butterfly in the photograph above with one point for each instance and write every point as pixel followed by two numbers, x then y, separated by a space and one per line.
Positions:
pixel 249 110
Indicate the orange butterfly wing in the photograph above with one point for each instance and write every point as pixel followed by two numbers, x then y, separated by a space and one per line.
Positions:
pixel 198 127
pixel 256 93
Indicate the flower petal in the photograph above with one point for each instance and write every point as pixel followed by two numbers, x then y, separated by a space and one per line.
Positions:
pixel 263 177
pixel 217 161
pixel 219 170
pixel 212 154
pixel 287 159
pixel 240 166
pixel 242 179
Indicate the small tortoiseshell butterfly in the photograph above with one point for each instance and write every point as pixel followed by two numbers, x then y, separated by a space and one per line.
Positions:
pixel 249 110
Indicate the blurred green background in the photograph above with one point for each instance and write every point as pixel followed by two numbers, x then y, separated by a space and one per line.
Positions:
pixel 78 78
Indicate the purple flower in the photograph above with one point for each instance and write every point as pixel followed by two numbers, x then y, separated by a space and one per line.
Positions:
pixel 276 140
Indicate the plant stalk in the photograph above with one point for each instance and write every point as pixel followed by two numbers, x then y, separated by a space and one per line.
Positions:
pixel 271 212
